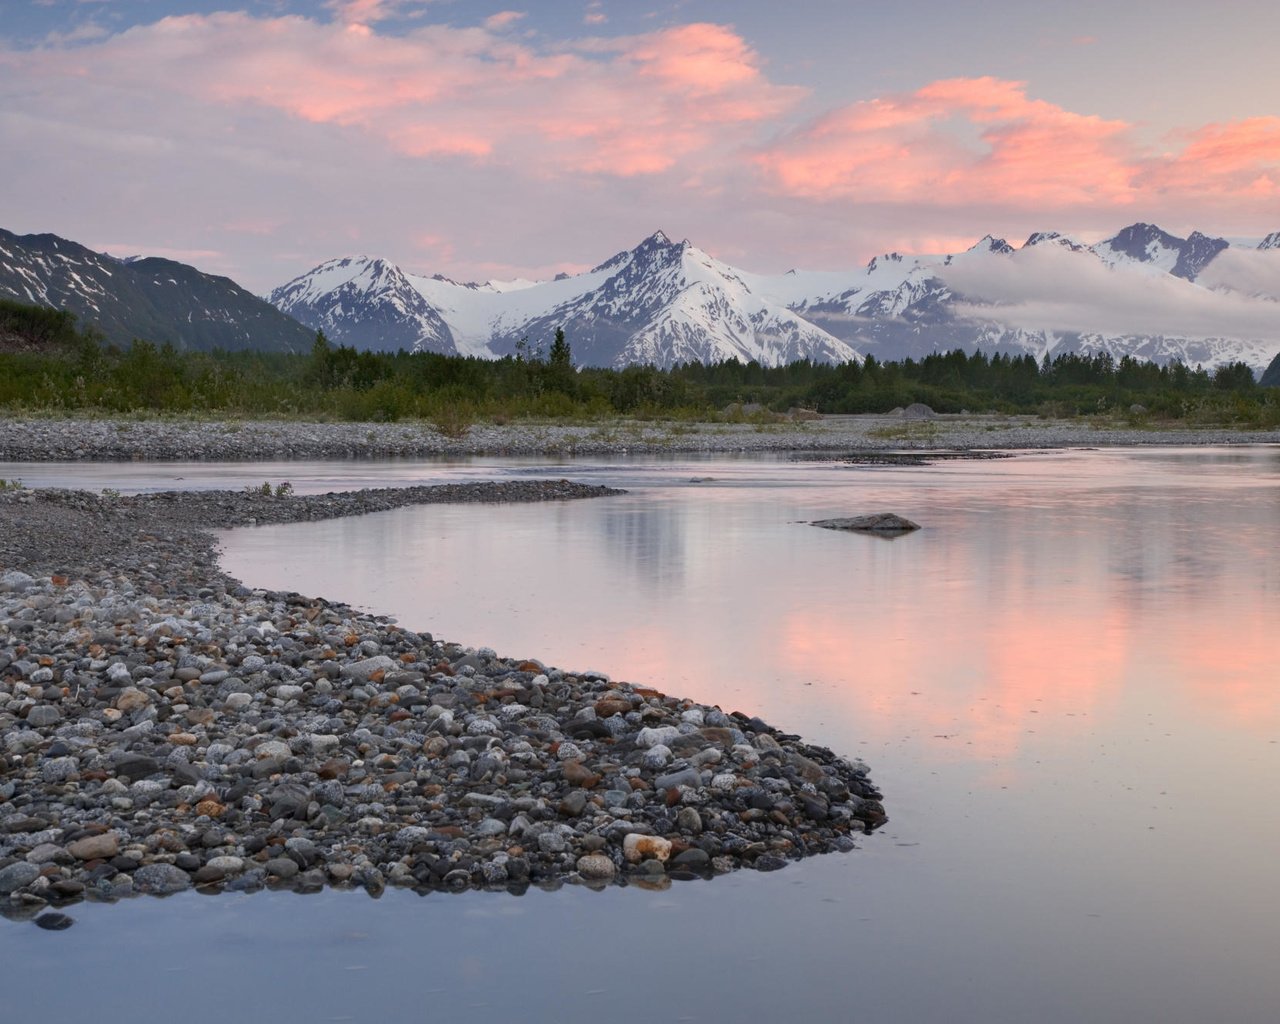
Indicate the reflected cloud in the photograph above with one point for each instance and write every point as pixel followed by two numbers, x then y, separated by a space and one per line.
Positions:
pixel 1045 600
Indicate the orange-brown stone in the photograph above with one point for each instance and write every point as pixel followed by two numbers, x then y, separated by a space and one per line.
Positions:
pixel 578 774
pixel 211 808
pixel 607 707
pixel 717 735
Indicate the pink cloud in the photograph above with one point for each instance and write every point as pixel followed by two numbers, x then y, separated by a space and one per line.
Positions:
pixel 1237 157
pixel 967 142
pixel 957 141
pixel 702 58
pixel 503 19
pixel 363 12
pixel 636 105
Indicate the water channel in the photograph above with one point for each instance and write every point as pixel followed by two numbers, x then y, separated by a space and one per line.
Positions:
pixel 1064 685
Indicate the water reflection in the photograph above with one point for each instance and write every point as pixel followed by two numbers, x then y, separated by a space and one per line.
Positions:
pixel 1054 581
pixel 651 541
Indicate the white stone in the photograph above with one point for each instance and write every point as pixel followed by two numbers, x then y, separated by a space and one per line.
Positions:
pixel 366 668
pixel 272 748
pixel 651 737
pixel 323 743
pixel 636 847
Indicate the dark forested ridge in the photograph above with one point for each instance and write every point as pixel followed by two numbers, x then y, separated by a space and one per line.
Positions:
pixel 63 369
pixel 160 300
pixel 1271 375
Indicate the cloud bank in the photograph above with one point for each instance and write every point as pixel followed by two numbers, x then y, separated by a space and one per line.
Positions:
pixel 1046 288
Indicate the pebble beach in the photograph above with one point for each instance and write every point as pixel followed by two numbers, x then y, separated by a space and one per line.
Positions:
pixel 39 440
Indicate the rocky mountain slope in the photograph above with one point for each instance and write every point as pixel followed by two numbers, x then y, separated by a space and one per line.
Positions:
pixel 155 299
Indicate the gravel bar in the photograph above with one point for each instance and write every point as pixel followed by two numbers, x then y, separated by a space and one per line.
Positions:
pixel 163 728
pixel 44 440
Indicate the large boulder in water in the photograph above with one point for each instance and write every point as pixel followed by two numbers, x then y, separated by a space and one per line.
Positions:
pixel 884 524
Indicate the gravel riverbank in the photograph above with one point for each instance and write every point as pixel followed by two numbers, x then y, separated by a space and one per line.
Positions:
pixel 41 440
pixel 164 727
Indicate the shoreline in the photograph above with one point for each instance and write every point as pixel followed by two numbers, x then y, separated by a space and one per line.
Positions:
pixel 115 440
pixel 164 727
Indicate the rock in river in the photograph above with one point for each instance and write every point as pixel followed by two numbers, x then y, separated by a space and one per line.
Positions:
pixel 881 523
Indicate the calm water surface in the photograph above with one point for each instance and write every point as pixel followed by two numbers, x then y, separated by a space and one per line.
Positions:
pixel 1064 685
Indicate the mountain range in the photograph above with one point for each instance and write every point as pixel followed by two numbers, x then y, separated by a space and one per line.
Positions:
pixel 1142 292
pixel 151 298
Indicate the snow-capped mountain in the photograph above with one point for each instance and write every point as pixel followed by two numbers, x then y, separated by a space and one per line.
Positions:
pixel 667 302
pixel 1146 245
pixel 1142 292
pixel 662 302
pixel 365 303
pixel 142 297
pixel 1137 293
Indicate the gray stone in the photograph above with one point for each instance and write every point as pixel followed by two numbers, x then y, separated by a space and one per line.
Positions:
pixel 43 715
pixel 364 669
pixel 59 769
pixel 281 867
pixel 552 842
pixel 674 780
pixel 596 867
pixel 160 879
pixel 17 876
pixel 692 860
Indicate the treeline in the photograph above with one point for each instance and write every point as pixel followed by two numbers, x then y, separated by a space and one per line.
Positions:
pixel 39 327
pixel 75 371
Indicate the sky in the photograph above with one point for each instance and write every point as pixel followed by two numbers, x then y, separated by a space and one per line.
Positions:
pixel 257 138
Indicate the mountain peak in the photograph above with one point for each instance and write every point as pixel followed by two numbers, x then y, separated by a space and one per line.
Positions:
pixel 658 242
pixel 1136 240
pixel 1198 251
pixel 989 243
pixel 888 257
pixel 366 302
pixel 1052 238
pixel 1037 237
pixel 1272 241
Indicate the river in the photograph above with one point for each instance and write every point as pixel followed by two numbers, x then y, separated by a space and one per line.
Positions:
pixel 1064 685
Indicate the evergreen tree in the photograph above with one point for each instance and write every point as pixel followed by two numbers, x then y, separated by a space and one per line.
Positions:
pixel 561 355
